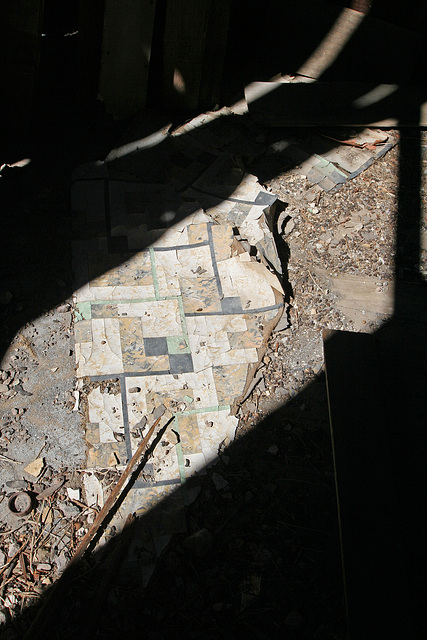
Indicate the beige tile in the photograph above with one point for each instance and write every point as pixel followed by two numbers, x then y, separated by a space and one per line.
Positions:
pixel 214 427
pixel 102 356
pixel 105 409
pixel 160 318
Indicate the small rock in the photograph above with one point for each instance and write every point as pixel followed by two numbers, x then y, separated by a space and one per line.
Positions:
pixel 250 406
pixel 134 389
pixel 289 226
pixel 69 509
pixel 294 619
pixel 13 549
pixel 219 482
pixel 16 484
pixel 4 388
pixel 35 467
pixel 61 562
pixel 200 543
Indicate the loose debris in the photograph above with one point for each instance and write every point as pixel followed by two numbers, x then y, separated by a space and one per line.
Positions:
pixel 35 551
pixel 282 483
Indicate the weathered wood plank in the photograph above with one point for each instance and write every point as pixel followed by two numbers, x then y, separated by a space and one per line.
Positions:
pixel 214 54
pixel 91 22
pixel 126 48
pixel 184 46
pixel 194 49
pixel 374 567
pixel 21 28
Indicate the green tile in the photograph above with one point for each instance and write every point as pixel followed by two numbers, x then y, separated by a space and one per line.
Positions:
pixel 178 344
pixel 84 310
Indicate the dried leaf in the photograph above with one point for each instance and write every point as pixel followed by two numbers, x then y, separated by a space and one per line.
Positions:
pixel 51 490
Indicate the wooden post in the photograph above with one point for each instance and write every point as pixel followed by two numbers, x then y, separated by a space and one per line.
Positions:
pixel 194 48
pixel 91 24
pixel 126 49
pixel 21 28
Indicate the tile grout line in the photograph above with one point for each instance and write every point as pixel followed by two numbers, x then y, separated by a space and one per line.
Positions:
pixel 179 453
pixel 125 415
pixel 190 314
pixel 181 247
pixel 214 262
pixel 154 273
pixel 234 313
pixel 183 320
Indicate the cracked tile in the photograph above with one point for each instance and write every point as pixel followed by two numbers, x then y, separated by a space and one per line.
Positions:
pixel 180 322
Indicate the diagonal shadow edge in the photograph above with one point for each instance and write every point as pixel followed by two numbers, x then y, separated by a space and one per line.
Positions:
pixel 399 234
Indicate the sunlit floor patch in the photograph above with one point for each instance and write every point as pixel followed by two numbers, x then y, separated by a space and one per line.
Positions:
pixel 177 316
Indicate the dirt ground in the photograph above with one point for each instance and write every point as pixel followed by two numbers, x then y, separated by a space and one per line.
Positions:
pixel 261 555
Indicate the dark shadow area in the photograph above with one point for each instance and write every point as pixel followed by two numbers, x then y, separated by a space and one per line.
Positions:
pixel 269 565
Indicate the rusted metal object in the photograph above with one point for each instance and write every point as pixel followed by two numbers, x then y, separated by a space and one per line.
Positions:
pixel 21 503
pixel 112 498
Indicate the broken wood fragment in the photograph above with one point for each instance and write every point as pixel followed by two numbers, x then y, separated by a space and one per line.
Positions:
pixel 114 495
pixel 38 627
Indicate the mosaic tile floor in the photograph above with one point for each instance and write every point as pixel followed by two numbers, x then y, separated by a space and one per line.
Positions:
pixel 174 315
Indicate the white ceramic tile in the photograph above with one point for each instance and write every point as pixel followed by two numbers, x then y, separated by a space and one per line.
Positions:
pixel 105 409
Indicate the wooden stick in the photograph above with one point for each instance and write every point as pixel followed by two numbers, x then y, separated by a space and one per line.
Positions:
pixel 37 628
pixel 112 498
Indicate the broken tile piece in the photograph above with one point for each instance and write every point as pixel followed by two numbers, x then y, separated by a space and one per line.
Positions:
pixel 35 467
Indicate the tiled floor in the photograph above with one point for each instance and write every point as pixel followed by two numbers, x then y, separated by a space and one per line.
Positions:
pixel 173 315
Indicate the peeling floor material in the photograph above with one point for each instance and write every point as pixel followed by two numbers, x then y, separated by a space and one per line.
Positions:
pixel 176 315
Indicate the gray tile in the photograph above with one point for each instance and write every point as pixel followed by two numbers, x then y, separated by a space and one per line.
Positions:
pixel 231 305
pixel 155 346
pixel 182 363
